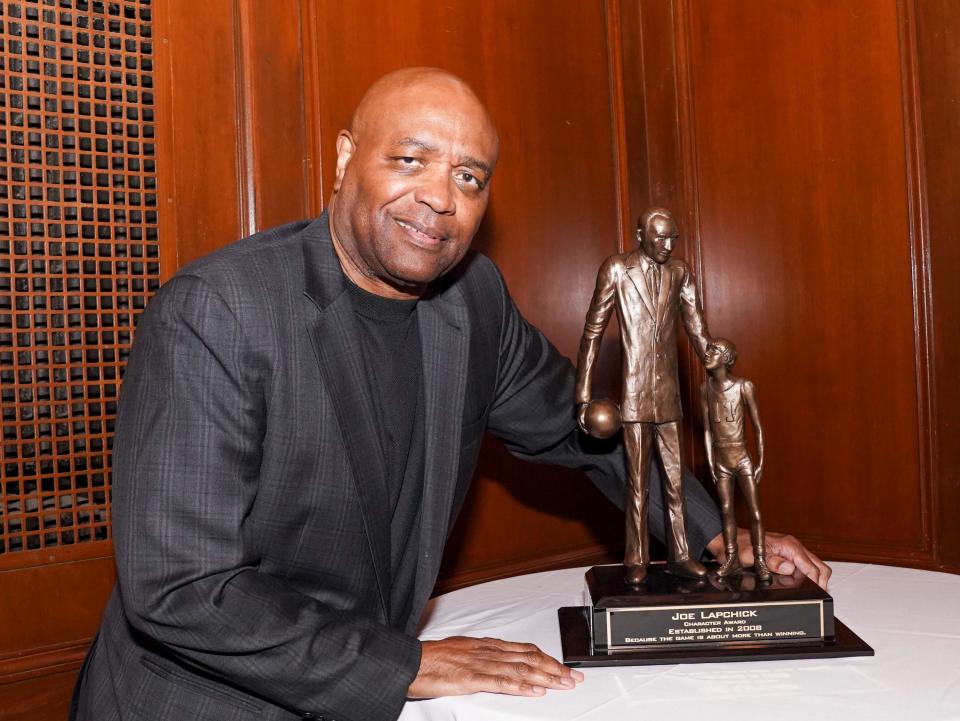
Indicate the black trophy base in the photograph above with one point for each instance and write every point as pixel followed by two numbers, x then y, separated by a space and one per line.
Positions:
pixel 670 610
pixel 578 649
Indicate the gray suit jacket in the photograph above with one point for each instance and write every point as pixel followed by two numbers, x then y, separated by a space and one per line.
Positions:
pixel 648 334
pixel 251 525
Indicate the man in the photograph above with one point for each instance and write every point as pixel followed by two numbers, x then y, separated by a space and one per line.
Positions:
pixel 649 290
pixel 300 420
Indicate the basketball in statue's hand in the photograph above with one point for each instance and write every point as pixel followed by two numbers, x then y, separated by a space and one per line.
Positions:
pixel 602 418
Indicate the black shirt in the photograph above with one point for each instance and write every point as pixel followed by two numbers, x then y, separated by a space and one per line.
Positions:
pixel 389 335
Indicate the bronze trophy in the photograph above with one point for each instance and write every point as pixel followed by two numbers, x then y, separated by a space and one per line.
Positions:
pixel 682 610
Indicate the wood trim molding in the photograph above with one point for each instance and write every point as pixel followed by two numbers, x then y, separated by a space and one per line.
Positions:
pixel 246 137
pixel 935 24
pixel 272 138
pixel 585 556
pixel 166 179
pixel 312 107
pixel 621 179
pixel 47 557
pixel 874 553
pixel 689 216
pixel 920 272
pixel 65 657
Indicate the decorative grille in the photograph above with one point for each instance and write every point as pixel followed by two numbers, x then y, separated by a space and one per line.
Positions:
pixel 79 254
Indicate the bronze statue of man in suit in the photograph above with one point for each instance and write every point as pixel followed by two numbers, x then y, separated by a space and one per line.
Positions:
pixel 649 290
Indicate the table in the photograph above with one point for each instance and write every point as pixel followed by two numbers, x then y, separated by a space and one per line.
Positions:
pixel 910 617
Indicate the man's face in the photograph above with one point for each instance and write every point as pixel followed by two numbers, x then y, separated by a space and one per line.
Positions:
pixel 412 187
pixel 658 238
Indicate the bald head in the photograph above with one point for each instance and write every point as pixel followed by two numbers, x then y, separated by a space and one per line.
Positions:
pixel 415 85
pixel 657 234
pixel 412 183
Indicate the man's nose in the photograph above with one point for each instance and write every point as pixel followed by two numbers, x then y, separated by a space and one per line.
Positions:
pixel 437 192
pixel 668 244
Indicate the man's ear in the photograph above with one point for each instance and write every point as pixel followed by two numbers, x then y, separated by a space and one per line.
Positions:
pixel 345 147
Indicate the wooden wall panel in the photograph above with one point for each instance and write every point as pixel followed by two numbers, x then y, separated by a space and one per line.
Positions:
pixel 233 151
pixel 542 68
pixel 651 128
pixel 51 612
pixel 801 192
pixel 38 699
pixel 203 206
pixel 806 258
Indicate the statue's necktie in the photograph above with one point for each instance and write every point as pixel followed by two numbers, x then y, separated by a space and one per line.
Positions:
pixel 653 280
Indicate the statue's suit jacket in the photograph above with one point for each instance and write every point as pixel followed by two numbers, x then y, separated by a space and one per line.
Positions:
pixel 251 523
pixel 648 334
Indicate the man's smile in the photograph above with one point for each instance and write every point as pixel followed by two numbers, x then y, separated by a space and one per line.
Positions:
pixel 424 236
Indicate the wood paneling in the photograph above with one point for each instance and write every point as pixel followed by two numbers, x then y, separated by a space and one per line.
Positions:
pixel 233 151
pixel 50 614
pixel 808 150
pixel 806 259
pixel 39 699
pixel 203 204
pixel 801 191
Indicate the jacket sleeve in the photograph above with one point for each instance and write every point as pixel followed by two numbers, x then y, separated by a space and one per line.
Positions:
pixel 534 413
pixel 601 308
pixel 691 311
pixel 186 473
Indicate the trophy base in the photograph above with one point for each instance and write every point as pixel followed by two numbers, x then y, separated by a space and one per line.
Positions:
pixel 671 619
pixel 578 650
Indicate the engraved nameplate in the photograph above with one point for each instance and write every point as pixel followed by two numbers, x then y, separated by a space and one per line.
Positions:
pixel 745 623
pixel 669 611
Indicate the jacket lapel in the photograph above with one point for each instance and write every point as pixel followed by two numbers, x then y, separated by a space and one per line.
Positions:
pixel 666 288
pixel 333 332
pixel 636 274
pixel 444 347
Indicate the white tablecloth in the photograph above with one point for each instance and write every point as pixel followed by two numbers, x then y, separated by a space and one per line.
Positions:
pixel 911 618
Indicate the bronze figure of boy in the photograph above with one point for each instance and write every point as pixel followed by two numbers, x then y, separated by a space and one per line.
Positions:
pixel 723 398
pixel 650 291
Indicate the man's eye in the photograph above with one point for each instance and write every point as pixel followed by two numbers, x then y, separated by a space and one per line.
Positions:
pixel 407 161
pixel 470 179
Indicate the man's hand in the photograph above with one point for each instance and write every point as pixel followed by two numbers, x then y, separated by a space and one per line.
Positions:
pixel 461 665
pixel 784 555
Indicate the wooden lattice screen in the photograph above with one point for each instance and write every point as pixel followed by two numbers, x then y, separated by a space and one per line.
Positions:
pixel 79 255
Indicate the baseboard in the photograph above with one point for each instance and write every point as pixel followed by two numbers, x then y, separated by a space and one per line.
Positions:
pixel 43 663
pixel 589 555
